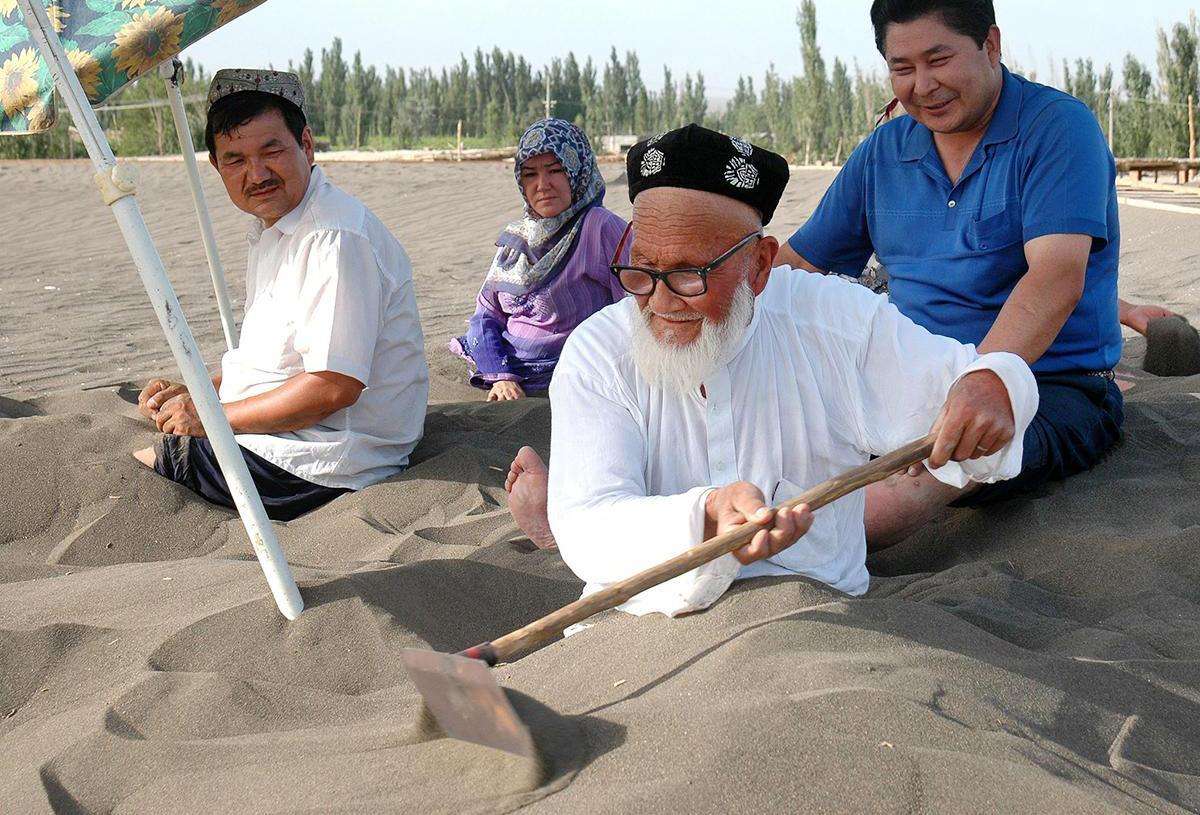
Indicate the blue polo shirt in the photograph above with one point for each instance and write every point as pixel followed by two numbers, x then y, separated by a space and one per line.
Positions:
pixel 954 252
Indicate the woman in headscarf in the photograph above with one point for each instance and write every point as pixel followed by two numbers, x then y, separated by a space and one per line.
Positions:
pixel 551 269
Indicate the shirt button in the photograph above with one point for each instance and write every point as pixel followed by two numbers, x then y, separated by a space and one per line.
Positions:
pixel 953 204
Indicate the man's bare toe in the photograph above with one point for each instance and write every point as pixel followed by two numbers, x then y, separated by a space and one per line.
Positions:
pixel 514 472
pixel 527 460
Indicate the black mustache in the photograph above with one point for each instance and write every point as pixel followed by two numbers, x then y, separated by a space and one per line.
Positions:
pixel 266 185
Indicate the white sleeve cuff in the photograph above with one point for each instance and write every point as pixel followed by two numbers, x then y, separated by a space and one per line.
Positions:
pixel 1023 396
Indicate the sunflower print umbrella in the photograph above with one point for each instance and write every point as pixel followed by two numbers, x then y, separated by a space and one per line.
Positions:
pixel 109 43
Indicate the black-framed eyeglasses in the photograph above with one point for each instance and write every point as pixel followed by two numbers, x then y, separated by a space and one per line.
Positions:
pixel 683 282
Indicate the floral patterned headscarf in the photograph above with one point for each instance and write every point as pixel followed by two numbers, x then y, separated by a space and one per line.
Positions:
pixel 532 250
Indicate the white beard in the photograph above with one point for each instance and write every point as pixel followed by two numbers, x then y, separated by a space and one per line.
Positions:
pixel 683 368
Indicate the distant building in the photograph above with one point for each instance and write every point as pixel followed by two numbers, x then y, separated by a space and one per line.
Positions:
pixel 617 145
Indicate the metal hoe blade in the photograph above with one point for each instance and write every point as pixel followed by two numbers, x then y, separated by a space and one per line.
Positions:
pixel 466 701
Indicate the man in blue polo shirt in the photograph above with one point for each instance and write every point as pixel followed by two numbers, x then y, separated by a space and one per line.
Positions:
pixel 993 207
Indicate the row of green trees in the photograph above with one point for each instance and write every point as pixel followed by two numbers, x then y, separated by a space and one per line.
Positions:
pixel 494 95
pixel 817 116
pixel 1149 118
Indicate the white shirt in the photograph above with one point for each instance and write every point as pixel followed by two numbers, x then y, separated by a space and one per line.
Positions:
pixel 328 288
pixel 826 375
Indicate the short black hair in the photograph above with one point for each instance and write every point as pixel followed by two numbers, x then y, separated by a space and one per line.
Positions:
pixel 233 111
pixel 971 18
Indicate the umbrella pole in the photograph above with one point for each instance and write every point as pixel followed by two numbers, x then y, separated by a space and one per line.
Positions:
pixel 172 73
pixel 118 193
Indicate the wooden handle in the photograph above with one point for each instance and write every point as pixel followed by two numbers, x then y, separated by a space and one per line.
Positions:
pixel 540 631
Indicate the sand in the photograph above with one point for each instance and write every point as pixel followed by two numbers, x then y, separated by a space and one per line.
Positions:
pixel 1043 655
pixel 1172 348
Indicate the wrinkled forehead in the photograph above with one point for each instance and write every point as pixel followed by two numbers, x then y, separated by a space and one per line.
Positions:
pixel 693 212
pixel 675 226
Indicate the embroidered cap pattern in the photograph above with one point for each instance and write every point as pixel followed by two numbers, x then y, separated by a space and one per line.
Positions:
pixel 741 173
pixel 653 161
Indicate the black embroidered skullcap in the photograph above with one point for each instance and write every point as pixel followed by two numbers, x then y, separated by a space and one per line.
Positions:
pixel 696 158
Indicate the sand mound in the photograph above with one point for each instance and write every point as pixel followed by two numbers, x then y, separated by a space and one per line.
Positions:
pixel 1172 348
pixel 1041 654
pixel 12 409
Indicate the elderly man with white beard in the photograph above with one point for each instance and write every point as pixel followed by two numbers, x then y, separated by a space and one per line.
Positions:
pixel 723 385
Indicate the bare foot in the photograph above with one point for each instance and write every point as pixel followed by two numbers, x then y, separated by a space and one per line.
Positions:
pixel 146 456
pixel 526 485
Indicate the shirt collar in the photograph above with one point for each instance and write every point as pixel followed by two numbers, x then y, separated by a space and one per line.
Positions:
pixel 288 223
pixel 1002 128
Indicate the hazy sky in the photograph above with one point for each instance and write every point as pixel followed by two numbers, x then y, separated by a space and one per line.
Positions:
pixel 722 38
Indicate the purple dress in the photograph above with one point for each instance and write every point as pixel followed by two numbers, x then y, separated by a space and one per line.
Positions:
pixel 519 338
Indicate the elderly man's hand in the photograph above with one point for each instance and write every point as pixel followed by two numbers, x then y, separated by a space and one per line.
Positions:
pixel 976 421
pixel 734 505
pixel 155 395
pixel 178 416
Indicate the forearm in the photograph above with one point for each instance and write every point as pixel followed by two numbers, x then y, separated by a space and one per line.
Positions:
pixel 1031 318
pixel 486 341
pixel 606 524
pixel 610 541
pixel 1043 299
pixel 490 350
pixel 604 540
pixel 302 401
pixel 790 257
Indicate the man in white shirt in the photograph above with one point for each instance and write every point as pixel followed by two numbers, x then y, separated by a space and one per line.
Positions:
pixel 723 385
pixel 327 388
